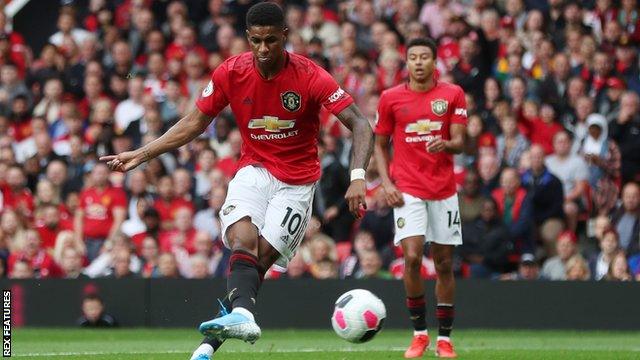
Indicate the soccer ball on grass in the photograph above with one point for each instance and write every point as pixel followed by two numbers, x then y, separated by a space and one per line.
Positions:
pixel 358 316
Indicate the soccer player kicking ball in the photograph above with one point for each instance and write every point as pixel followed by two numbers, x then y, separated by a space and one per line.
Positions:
pixel 426 120
pixel 276 97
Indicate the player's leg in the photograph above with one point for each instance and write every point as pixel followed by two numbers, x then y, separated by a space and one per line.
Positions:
pixel 267 256
pixel 241 216
pixel 444 232
pixel 411 222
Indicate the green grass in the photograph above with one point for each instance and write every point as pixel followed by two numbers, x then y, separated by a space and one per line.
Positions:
pixel 152 344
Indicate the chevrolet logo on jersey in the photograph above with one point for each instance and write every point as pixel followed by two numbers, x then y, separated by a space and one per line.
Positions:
pixel 423 127
pixel 271 124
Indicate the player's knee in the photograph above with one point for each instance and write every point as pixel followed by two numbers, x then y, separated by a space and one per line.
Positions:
pixel 412 261
pixel 243 235
pixel 444 266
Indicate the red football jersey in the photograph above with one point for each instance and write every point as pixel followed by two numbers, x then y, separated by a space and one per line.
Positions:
pixel 278 118
pixel 413 119
pixel 98 210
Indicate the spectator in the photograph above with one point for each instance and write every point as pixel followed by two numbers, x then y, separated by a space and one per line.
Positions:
pixel 528 270
pixel 149 255
pixel 470 198
pixel 625 131
pixel 363 241
pixel 626 219
pixel 207 220
pixel 168 266
pixel 371 266
pixel 199 267
pixel 40 262
pixel 487 243
pixel 609 246
pixel 618 268
pixel 67 29
pixel 130 109
pixel 577 269
pixel 547 199
pixel 574 173
pixel 122 264
pixel 329 198
pixel 102 211
pixel 515 208
pixel 555 268
pixel 151 221
pixel 603 158
pixel 183 233
pixel 49 225
pixel 115 247
pixel 167 203
pixel 510 144
pixel 15 194
pixel 324 269
pixel 216 255
pixel 21 270
pixel 93 314
pixel 67 240
pixel 489 171
pixel 71 264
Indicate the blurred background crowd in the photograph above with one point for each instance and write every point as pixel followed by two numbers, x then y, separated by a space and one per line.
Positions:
pixel 548 179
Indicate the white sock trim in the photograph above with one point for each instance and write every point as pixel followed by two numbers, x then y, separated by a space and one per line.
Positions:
pixel 203 349
pixel 445 338
pixel 245 312
pixel 420 332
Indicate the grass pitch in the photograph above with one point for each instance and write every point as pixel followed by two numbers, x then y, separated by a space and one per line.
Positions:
pixel 161 344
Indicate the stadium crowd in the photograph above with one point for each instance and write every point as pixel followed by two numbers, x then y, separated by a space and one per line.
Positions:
pixel 548 180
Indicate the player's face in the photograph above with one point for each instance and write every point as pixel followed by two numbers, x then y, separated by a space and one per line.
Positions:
pixel 267 43
pixel 421 62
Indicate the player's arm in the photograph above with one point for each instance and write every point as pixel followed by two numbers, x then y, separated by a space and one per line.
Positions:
pixel 383 158
pixel 185 130
pixel 355 121
pixel 454 145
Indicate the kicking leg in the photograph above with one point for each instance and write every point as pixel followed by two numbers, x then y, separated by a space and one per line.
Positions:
pixel 267 256
pixel 242 286
pixel 413 249
pixel 445 293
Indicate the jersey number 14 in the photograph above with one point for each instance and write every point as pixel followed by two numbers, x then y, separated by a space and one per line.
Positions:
pixel 454 218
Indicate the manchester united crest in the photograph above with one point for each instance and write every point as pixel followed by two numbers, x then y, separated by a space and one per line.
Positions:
pixel 439 106
pixel 291 101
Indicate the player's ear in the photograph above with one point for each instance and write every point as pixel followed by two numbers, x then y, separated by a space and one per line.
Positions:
pixel 285 32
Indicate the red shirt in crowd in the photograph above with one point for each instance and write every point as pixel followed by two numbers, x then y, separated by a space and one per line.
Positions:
pixel 48 235
pixel 21 201
pixel 98 206
pixel 413 119
pixel 167 209
pixel 542 133
pixel 41 263
pixel 278 118
pixel 167 239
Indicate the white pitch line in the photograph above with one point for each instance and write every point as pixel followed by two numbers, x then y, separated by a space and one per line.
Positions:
pixel 303 350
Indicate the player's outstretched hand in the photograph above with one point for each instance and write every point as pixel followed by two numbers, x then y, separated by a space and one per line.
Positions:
pixel 355 197
pixel 392 195
pixel 123 162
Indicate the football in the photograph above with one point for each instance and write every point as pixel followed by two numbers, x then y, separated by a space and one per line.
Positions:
pixel 358 316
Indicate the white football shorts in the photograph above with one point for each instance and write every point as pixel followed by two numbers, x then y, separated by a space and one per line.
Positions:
pixel 280 211
pixel 437 220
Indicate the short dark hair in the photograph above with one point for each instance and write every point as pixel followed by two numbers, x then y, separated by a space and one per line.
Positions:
pixel 424 42
pixel 265 14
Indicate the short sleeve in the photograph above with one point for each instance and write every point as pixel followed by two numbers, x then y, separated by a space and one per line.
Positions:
pixel 213 99
pixel 459 115
pixel 328 93
pixel 384 117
